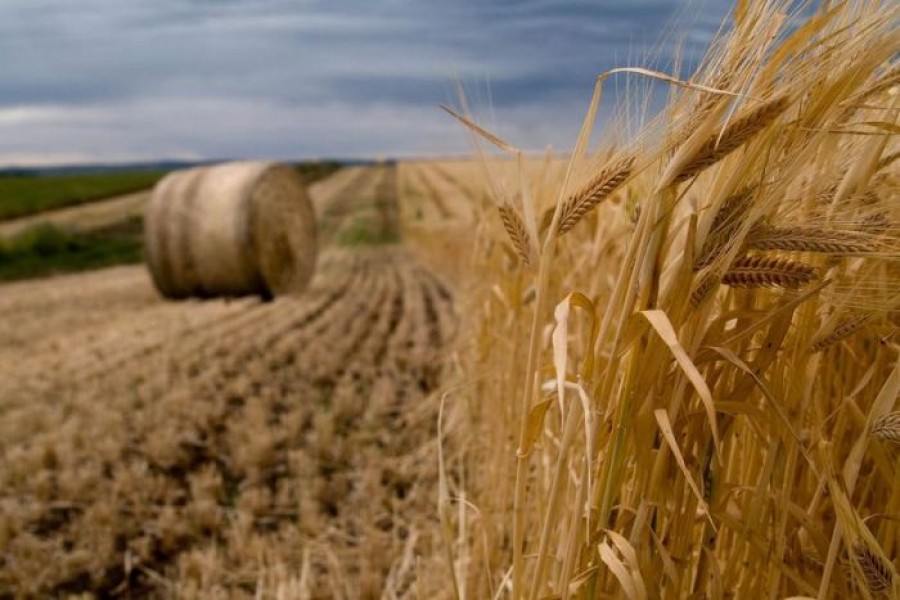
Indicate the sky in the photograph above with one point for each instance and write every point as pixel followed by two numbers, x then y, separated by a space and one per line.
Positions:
pixel 130 81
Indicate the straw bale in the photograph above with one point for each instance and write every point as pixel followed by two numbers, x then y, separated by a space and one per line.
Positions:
pixel 230 230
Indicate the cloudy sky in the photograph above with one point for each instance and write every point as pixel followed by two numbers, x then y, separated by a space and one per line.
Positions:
pixel 129 80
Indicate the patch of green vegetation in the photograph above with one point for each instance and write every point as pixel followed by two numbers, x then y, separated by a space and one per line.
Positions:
pixel 366 233
pixel 313 171
pixel 27 194
pixel 46 249
pixel 24 193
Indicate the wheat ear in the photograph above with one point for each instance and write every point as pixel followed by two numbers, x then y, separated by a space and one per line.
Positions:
pixel 877 224
pixel 595 191
pixel 875 570
pixel 810 239
pixel 724 225
pixel 703 288
pixel 744 127
pixel 887 427
pixel 843 329
pixel 765 271
pixel 515 229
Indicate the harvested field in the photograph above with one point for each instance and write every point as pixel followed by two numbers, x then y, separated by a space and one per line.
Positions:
pixel 86 217
pixel 238 447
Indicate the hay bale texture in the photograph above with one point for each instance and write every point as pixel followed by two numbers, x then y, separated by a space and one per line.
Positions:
pixel 230 230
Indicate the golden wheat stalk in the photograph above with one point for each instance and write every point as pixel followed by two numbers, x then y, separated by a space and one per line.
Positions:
pixel 724 225
pixel 713 248
pixel 515 229
pixel 811 239
pixel 734 207
pixel 875 570
pixel 701 109
pixel 843 329
pixel 877 224
pixel 744 127
pixel 870 198
pixel 887 427
pixel 546 220
pixel 766 271
pixel 882 84
pixel 703 288
pixel 597 189
pixel 826 193
pixel 887 160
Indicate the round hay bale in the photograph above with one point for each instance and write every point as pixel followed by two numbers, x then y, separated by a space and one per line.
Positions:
pixel 230 230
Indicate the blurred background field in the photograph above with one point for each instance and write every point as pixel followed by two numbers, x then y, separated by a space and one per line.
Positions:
pixel 54 222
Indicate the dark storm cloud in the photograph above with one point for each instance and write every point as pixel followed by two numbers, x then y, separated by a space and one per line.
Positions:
pixel 116 80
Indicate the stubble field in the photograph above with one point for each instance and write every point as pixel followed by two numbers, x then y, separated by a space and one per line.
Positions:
pixel 228 445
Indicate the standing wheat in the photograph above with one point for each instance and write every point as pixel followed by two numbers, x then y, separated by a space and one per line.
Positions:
pixel 887 427
pixel 875 570
pixel 726 222
pixel 744 127
pixel 765 271
pixel 811 239
pixel 843 329
pixel 518 234
pixel 597 189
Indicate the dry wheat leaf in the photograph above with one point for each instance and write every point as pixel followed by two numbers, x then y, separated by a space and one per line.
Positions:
pixel 481 131
pixel 631 559
pixel 534 424
pixel 661 324
pixel 665 427
pixel 773 402
pixel 560 339
pixel 621 572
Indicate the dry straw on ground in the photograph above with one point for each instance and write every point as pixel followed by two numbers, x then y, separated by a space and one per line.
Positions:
pixel 227 448
pixel 230 230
